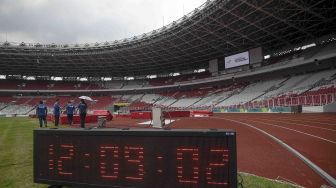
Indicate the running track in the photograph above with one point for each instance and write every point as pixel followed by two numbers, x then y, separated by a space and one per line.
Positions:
pixel 312 135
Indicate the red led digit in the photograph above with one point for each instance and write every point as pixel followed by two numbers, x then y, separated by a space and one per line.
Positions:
pixel 138 160
pixel 223 158
pixel 51 154
pixel 87 159
pixel 69 156
pixel 159 163
pixel 181 171
pixel 107 154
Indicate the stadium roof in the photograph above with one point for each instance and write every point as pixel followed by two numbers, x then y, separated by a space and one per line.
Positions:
pixel 216 29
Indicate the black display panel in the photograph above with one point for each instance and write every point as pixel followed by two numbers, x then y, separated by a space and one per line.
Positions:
pixel 146 158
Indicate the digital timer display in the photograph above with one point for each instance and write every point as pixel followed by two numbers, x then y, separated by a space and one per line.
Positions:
pixel 146 158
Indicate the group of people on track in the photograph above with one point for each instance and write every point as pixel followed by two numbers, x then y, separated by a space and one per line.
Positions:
pixel 42 111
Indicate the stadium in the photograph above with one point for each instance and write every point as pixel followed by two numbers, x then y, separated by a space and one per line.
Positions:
pixel 265 70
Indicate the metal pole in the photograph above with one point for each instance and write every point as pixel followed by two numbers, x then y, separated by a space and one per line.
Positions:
pixel 305 101
pixel 278 101
pixel 291 101
pixel 286 101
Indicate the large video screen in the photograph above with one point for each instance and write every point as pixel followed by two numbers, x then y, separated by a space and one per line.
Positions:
pixel 237 60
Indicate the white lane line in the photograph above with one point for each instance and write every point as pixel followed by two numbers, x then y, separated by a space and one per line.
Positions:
pixel 301 124
pixel 312 165
pixel 308 120
pixel 333 142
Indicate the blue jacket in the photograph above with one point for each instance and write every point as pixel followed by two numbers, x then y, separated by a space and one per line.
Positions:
pixel 41 110
pixel 57 109
pixel 70 109
pixel 82 108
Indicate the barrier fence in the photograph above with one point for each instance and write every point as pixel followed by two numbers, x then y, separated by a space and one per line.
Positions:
pixel 287 101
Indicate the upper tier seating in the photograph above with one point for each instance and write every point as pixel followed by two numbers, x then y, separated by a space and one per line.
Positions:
pixel 176 79
pixel 299 84
pixel 164 101
pixel 133 84
pixel 131 98
pixel 285 86
pixel 139 105
pixel 150 98
pixel 45 85
pixel 185 102
pixel 326 50
pixel 115 84
pixel 213 99
pixel 309 89
pixel 249 93
pixel 314 78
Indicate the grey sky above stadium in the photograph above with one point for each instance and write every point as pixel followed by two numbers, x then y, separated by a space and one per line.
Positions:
pixel 81 21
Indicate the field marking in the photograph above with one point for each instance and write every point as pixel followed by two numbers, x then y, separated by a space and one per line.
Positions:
pixel 314 120
pixel 334 130
pixel 312 165
pixel 333 142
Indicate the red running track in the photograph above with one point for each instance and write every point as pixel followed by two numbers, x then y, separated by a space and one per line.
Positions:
pixel 313 135
pixel 315 140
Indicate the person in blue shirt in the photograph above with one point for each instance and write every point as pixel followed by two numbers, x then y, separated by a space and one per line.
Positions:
pixel 41 112
pixel 82 108
pixel 57 112
pixel 70 108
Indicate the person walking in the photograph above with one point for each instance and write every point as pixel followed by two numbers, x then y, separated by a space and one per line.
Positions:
pixel 82 108
pixel 41 112
pixel 70 110
pixel 57 112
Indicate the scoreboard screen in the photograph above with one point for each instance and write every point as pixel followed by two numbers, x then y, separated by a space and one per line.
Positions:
pixel 237 60
pixel 146 158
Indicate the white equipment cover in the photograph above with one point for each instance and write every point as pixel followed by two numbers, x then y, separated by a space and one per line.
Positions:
pixel 158 119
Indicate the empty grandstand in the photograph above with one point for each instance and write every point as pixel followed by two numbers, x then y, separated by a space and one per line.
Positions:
pixel 242 64
pixel 309 89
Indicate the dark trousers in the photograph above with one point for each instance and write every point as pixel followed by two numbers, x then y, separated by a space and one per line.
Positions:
pixel 70 118
pixel 42 119
pixel 82 119
pixel 56 120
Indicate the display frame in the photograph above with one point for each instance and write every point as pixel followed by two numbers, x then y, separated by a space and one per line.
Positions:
pixel 201 133
pixel 234 56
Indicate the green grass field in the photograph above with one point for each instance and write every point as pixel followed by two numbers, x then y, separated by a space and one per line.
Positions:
pixel 16 157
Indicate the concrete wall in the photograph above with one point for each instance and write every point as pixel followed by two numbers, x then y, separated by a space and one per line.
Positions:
pixel 309 109
pixel 327 108
pixel 330 107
